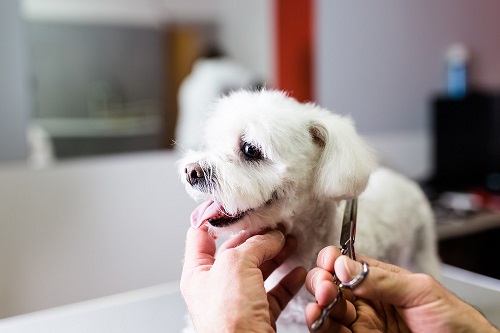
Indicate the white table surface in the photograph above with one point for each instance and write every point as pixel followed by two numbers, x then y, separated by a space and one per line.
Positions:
pixel 155 309
pixel 161 309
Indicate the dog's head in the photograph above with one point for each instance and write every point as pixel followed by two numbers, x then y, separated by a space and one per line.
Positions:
pixel 267 157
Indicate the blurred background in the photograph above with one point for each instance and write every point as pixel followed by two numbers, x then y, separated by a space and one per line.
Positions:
pixel 97 103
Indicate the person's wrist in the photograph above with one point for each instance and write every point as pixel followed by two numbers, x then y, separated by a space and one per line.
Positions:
pixel 469 319
pixel 239 322
pixel 479 323
pixel 245 327
pixel 251 328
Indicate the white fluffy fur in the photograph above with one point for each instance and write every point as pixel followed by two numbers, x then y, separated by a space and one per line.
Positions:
pixel 312 160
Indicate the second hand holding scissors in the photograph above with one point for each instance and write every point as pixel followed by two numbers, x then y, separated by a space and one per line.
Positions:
pixel 347 238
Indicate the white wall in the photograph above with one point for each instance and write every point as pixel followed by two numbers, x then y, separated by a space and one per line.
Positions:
pixel 382 61
pixel 136 12
pixel 247 33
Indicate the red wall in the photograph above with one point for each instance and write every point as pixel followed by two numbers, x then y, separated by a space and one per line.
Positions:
pixel 294 35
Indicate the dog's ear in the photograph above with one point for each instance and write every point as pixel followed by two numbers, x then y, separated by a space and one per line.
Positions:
pixel 346 161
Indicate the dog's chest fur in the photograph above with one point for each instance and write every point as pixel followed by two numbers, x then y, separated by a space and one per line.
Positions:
pixel 315 227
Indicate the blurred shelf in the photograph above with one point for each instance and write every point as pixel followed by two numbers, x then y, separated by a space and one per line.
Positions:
pixel 127 126
pixel 467 225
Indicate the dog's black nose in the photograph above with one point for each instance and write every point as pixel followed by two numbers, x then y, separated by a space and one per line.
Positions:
pixel 194 173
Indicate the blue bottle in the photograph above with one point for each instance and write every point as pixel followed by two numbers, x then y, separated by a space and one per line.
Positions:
pixel 457 59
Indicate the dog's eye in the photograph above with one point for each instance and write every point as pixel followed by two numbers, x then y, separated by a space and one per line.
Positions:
pixel 250 151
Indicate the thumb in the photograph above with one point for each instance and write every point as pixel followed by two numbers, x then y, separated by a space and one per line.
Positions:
pixel 261 248
pixel 200 248
pixel 388 284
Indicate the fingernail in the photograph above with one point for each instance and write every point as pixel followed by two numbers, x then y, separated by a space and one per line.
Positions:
pixel 313 281
pixel 327 260
pixel 323 259
pixel 352 267
pixel 278 234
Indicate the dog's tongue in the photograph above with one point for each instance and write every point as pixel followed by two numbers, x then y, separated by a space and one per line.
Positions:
pixel 207 210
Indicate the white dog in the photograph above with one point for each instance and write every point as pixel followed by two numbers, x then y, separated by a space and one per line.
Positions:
pixel 269 159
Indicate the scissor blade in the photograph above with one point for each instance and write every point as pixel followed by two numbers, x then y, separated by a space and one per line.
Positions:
pixel 354 217
pixel 346 223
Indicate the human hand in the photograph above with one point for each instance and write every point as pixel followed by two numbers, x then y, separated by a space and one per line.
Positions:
pixel 390 299
pixel 226 293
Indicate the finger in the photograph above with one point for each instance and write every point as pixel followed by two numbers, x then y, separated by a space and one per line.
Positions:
pixel 343 312
pixel 242 237
pixel 315 276
pixel 260 248
pixel 314 311
pixel 389 284
pixel 285 290
pixel 383 265
pixel 234 241
pixel 200 248
pixel 270 266
pixel 327 256
pixel 321 284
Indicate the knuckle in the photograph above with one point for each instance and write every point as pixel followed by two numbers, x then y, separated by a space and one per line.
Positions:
pixel 257 239
pixel 229 256
pixel 425 281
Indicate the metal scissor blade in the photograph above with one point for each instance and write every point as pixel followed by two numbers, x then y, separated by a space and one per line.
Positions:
pixel 346 224
pixel 348 232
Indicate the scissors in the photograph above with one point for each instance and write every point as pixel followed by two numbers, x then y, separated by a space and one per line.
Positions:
pixel 348 233
pixel 347 238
